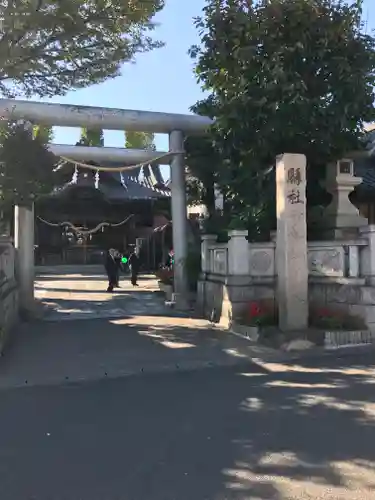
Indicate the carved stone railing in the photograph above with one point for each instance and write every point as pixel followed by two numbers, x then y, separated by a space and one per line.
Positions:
pixel 218 259
pixel 339 261
pixel 341 274
pixel 238 257
pixel 262 260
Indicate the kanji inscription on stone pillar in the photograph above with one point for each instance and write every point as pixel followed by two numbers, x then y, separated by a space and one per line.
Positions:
pixel 291 241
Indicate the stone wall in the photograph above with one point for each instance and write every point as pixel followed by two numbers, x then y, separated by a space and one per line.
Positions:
pixel 222 298
pixel 354 299
pixel 8 292
pixel 233 274
pixel 341 275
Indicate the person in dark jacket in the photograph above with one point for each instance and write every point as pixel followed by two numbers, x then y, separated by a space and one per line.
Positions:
pixel 134 265
pixel 112 267
pixel 170 260
pixel 119 267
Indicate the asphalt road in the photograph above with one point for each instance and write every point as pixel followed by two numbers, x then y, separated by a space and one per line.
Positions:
pixel 211 434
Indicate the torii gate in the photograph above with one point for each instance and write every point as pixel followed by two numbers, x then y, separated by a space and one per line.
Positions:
pixel 66 115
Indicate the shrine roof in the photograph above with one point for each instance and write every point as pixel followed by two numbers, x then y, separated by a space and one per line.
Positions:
pixel 365 166
pixel 142 183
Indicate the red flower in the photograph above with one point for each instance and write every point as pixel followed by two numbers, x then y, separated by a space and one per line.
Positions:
pixel 324 313
pixel 254 309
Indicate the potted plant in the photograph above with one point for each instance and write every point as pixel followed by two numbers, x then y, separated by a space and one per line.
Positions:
pixel 165 277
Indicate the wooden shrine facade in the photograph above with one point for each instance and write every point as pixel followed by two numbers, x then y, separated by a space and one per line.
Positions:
pixel 90 212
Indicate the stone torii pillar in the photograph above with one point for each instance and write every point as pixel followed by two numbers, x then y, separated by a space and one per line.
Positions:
pixel 24 246
pixel 179 219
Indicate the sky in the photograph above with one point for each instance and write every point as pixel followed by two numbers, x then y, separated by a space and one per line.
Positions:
pixel 161 80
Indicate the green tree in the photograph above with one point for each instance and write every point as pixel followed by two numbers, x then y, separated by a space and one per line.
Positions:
pixel 282 76
pixel 202 165
pixel 91 137
pixel 44 133
pixel 49 47
pixel 26 165
pixel 140 140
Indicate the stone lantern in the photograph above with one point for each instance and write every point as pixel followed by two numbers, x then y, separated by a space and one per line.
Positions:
pixel 341 219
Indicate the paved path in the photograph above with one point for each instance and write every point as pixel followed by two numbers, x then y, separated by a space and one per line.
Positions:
pixel 304 432
pixel 83 296
pixel 276 431
pixel 110 335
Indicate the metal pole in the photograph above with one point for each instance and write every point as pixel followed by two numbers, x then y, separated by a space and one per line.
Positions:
pixel 24 245
pixel 179 219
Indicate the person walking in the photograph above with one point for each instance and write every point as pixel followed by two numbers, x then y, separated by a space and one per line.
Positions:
pixel 170 260
pixel 134 265
pixel 118 261
pixel 111 264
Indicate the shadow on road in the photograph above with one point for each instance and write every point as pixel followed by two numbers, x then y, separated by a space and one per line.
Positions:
pixel 229 433
pixel 302 432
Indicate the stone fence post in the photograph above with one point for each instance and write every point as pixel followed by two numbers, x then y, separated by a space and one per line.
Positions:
pixel 238 253
pixel 207 239
pixel 368 232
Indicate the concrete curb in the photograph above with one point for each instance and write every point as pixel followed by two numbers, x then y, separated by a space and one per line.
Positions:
pixel 339 352
pixel 257 351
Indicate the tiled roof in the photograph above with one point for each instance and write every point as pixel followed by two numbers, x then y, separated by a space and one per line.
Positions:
pixel 365 167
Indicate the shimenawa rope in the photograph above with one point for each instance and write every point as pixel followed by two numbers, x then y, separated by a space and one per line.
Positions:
pixel 99 168
pixel 84 232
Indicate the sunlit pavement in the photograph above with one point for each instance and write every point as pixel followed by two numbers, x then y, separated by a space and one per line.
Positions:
pixel 76 296
pixel 88 334
pixel 299 432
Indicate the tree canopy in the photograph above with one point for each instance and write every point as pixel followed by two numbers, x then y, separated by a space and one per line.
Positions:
pixel 133 140
pixel 202 165
pixel 282 76
pixel 140 140
pixel 26 164
pixel 44 133
pixel 49 47
pixel 91 137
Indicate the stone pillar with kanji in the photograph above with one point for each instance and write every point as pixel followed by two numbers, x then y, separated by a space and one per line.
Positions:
pixel 291 242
